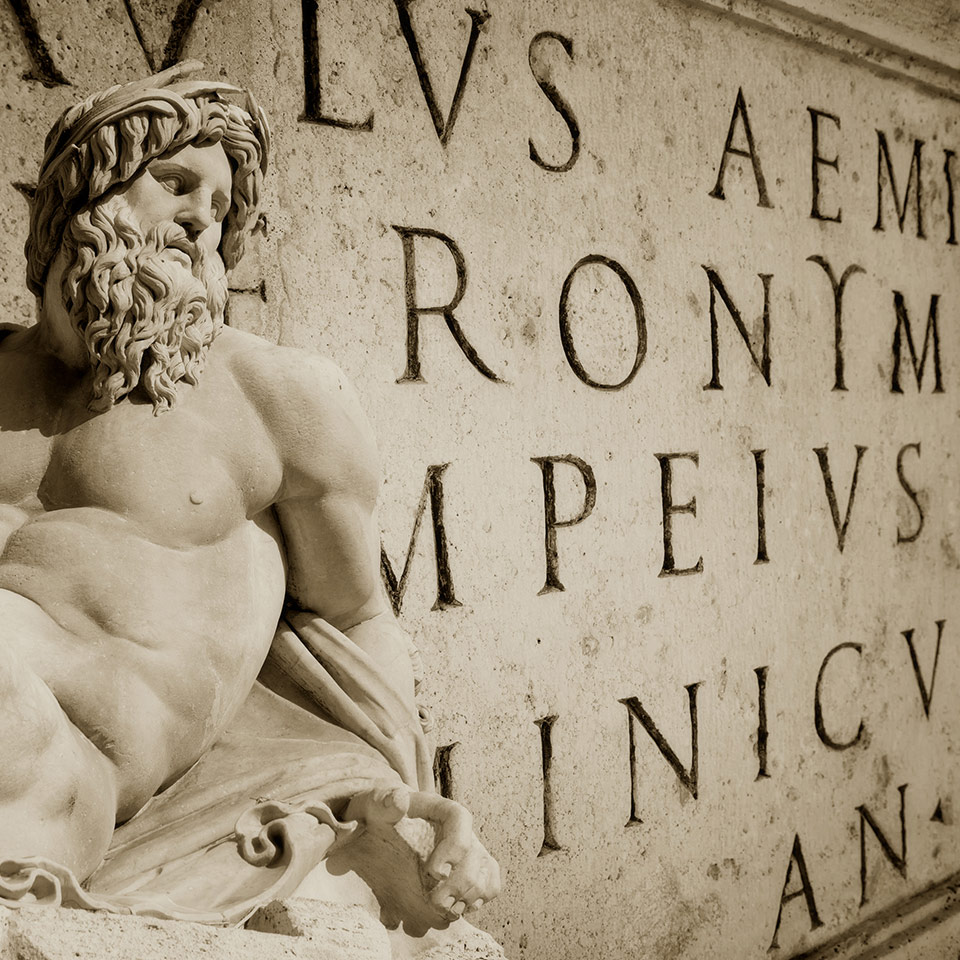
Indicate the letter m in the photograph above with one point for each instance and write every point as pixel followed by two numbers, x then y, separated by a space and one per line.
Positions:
pixel 914 177
pixel 932 335
pixel 432 491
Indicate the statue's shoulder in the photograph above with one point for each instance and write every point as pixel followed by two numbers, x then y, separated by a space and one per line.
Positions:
pixel 270 373
pixel 303 399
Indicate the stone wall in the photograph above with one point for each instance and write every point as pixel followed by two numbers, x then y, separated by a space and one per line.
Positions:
pixel 653 308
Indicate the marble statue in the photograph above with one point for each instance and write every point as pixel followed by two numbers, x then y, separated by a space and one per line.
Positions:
pixel 205 693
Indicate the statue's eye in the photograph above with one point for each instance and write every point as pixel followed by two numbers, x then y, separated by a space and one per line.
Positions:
pixel 171 182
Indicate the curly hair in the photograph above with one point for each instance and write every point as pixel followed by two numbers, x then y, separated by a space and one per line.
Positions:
pixel 144 320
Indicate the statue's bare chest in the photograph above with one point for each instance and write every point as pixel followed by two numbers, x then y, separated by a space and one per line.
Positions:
pixel 168 478
pixel 183 478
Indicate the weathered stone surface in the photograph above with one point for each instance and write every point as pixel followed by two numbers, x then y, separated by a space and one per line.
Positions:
pixel 295 929
pixel 40 933
pixel 343 928
pixel 614 844
pixel 336 923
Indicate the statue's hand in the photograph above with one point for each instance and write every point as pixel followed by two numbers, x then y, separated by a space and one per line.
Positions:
pixel 460 875
pixel 466 875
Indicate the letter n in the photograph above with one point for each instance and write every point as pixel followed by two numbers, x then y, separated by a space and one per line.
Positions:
pixel 762 363
pixel 805 890
pixel 432 491
pixel 932 335
pixel 899 860
pixel 688 777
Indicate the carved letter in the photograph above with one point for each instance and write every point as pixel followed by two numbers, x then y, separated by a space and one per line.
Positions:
pixel 546 755
pixel 442 772
pixel 763 364
pixel 837 288
pixel 568 348
pixel 312 98
pixel 761 514
pixel 819 161
pixel 806 890
pixel 42 66
pixel 444 127
pixel 932 333
pixel 408 236
pixel 899 861
pixel 669 567
pixel 840 528
pixel 559 104
pixel 159 54
pixel 883 153
pixel 550 511
pixel 432 491
pixel 762 733
pixel 948 155
pixel 687 777
pixel 911 493
pixel 740 110
pixel 817 710
pixel 926 696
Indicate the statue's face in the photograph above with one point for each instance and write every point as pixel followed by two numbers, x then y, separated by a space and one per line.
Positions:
pixel 190 187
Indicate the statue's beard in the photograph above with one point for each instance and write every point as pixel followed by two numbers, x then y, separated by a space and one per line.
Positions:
pixel 146 318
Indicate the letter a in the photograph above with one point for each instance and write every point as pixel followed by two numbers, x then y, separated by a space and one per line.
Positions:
pixel 740 110
pixel 805 890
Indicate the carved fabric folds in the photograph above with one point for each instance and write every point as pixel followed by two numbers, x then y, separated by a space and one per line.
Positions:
pixel 258 811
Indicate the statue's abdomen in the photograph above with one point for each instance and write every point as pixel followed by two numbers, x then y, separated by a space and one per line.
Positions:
pixel 149 649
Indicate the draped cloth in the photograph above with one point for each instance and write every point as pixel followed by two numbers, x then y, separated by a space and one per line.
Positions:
pixel 260 809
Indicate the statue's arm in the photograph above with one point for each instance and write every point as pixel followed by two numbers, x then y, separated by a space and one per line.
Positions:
pixel 326 506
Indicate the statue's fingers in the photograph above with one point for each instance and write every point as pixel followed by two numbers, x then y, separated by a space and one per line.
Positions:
pixel 470 894
pixel 452 848
pixel 494 880
pixel 394 803
pixel 450 906
pixel 468 882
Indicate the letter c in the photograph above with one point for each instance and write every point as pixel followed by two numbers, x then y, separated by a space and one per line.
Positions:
pixel 817 710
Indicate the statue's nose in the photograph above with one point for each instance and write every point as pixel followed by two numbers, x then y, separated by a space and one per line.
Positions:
pixel 195 215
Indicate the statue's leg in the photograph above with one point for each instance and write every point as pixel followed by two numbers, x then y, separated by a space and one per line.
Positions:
pixel 58 792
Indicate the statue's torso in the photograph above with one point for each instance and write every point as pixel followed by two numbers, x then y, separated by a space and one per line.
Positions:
pixel 149 545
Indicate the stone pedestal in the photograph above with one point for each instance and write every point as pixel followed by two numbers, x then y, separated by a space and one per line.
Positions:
pixel 295 929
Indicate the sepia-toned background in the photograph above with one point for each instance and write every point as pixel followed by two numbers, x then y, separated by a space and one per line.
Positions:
pixel 597 129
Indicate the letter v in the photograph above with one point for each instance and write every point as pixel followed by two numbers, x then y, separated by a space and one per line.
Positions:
pixel 926 696
pixel 42 67
pixel 444 127
pixel 162 51
pixel 840 528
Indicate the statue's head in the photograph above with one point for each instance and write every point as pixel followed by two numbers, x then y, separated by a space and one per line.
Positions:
pixel 146 194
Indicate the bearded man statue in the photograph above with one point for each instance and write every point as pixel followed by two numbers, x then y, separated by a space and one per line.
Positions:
pixel 206 695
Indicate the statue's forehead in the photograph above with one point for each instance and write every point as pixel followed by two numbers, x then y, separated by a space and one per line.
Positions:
pixel 208 160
